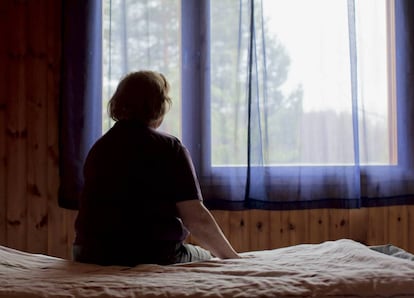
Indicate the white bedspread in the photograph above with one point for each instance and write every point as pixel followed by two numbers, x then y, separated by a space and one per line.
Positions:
pixel 341 268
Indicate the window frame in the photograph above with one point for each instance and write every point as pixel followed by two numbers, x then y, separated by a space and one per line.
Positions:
pixel 195 88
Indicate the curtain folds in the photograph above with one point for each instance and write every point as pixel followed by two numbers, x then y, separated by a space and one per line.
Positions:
pixel 357 182
pixel 80 107
pixel 353 178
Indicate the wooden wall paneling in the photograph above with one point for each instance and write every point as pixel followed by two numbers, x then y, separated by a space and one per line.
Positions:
pixel 277 231
pixel 410 228
pixel 3 95
pixel 377 223
pixel 70 217
pixel 298 226
pixel 57 224
pixel 16 128
pixel 338 224
pixel 223 220
pixel 359 224
pixel 398 226
pixel 259 230
pixel 58 239
pixel 295 228
pixel 239 235
pixel 318 225
pixel 286 227
pixel 36 78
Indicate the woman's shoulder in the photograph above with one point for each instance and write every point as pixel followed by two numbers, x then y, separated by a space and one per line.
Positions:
pixel 166 136
pixel 132 133
pixel 169 141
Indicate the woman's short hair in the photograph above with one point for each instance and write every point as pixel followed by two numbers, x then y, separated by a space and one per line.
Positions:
pixel 142 96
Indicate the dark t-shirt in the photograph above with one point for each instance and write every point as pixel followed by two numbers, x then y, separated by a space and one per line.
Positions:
pixel 134 176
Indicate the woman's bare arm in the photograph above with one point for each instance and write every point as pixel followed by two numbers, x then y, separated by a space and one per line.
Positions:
pixel 204 228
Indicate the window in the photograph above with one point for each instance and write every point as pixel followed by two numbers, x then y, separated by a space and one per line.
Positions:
pixel 326 81
pixel 309 75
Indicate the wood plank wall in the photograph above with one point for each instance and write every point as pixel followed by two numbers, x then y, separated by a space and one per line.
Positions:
pixel 260 229
pixel 30 219
pixel 29 89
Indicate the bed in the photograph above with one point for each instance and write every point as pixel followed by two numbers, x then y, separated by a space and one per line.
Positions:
pixel 341 268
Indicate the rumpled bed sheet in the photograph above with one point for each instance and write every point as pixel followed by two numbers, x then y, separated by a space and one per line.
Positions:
pixel 341 268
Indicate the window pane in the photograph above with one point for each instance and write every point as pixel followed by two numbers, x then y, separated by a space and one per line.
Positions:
pixel 307 118
pixel 142 35
pixel 228 106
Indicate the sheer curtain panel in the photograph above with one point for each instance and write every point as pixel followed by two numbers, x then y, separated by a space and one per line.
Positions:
pixel 80 103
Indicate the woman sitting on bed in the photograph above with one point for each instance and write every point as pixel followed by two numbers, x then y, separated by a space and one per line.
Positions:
pixel 141 197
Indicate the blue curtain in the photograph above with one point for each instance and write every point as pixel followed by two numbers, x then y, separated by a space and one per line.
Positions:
pixel 299 187
pixel 80 104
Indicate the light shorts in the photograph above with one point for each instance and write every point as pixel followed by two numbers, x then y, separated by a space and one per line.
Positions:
pixel 192 253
